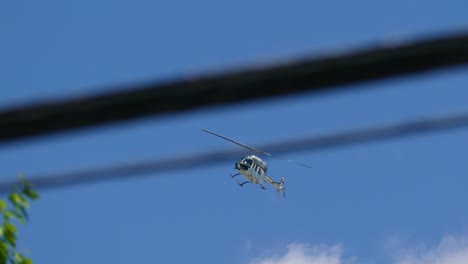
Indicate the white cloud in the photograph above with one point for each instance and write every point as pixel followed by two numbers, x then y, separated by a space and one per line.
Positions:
pixel 451 250
pixel 305 254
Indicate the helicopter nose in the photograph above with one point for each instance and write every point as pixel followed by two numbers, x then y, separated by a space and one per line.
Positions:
pixel 241 166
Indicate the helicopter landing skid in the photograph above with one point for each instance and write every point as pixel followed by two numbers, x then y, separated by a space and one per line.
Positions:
pixel 241 184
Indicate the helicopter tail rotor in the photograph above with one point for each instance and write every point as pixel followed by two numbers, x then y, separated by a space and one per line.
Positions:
pixel 280 188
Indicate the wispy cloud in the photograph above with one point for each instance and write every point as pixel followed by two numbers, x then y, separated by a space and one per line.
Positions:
pixel 450 250
pixel 305 254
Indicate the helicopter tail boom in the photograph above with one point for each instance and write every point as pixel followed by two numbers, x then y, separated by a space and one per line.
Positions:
pixel 278 185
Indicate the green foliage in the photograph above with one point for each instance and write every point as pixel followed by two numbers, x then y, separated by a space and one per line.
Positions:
pixel 16 211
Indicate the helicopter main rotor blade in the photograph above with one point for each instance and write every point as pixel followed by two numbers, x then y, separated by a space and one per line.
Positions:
pixel 254 149
pixel 238 143
pixel 297 163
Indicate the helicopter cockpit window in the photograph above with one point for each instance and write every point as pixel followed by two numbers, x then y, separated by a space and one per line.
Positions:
pixel 248 161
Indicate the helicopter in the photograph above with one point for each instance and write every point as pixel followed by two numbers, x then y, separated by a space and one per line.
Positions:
pixel 254 169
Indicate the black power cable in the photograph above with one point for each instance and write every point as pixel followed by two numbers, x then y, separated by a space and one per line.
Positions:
pixel 312 143
pixel 308 74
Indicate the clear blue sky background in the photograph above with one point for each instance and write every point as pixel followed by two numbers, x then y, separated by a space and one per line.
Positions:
pixel 371 200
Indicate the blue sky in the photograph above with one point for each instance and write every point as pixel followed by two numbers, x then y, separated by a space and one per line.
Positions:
pixel 399 201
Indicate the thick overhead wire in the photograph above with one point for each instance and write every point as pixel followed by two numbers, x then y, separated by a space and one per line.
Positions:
pixel 195 92
pixel 312 143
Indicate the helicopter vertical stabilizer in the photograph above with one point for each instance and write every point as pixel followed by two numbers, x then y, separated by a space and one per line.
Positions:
pixel 278 185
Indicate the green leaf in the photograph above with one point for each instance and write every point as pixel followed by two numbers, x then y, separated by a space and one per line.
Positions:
pixel 23 213
pixel 18 200
pixel 10 234
pixel 3 251
pixel 22 221
pixel 18 257
pixel 26 261
pixel 19 214
pixel 30 193
pixel 11 238
pixel 10 228
pixel 8 215
pixel 26 184
pixel 14 198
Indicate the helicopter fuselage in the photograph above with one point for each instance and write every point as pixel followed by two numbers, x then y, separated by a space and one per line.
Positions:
pixel 252 168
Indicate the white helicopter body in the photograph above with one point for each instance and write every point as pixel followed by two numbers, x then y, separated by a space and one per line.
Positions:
pixel 254 169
